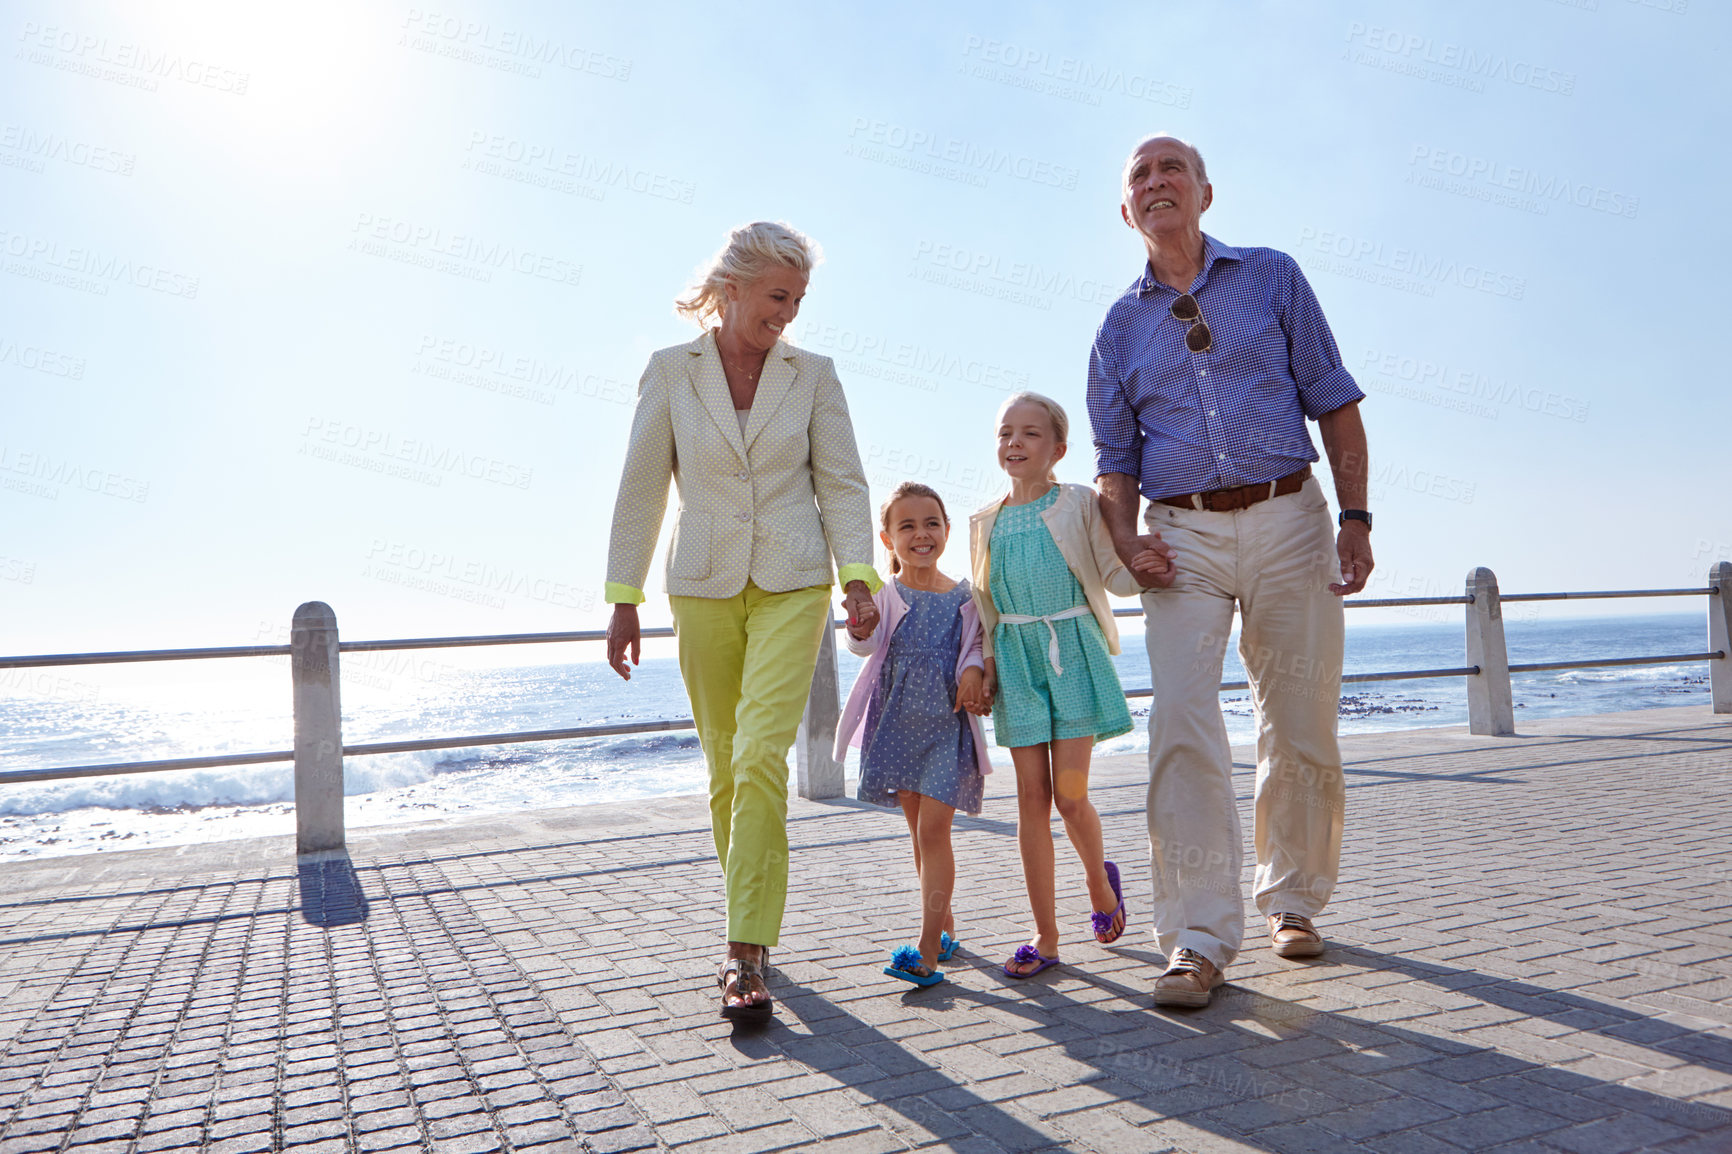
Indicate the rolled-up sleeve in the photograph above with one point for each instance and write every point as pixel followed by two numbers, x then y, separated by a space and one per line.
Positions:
pixel 840 483
pixel 1324 382
pixel 1118 447
pixel 643 491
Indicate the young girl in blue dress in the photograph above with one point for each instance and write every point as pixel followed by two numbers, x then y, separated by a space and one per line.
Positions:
pixel 1043 564
pixel 913 712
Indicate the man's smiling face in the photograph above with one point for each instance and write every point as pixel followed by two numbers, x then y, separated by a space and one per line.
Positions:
pixel 1164 193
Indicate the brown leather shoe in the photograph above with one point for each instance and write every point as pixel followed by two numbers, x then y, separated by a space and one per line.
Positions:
pixel 1189 980
pixel 1294 936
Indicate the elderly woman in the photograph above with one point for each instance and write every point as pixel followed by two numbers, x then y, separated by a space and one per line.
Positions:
pixel 756 434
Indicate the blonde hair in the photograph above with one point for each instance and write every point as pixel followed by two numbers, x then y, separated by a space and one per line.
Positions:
pixel 908 489
pixel 1054 411
pixel 751 251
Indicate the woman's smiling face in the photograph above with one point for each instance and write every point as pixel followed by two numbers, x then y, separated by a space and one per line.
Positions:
pixel 759 310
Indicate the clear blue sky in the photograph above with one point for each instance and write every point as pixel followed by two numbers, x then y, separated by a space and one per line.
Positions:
pixel 350 305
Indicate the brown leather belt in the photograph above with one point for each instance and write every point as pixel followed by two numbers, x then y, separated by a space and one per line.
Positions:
pixel 1240 496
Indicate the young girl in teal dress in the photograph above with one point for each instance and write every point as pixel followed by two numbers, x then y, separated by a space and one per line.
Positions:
pixel 1043 564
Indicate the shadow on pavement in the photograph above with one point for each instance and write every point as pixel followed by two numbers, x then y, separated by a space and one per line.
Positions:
pixel 1279 1075
pixel 330 892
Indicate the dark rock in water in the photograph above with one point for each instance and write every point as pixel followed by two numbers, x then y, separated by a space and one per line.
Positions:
pixel 656 743
pixel 1373 705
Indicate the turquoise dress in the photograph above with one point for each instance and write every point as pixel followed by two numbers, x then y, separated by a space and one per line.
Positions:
pixel 1035 703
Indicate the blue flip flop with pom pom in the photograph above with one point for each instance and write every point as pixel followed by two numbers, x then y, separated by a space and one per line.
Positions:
pixel 947 946
pixel 907 964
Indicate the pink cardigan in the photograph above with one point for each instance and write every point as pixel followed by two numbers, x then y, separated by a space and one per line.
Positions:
pixel 891 610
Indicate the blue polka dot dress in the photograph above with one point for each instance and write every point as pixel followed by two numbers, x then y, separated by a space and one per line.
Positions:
pixel 913 740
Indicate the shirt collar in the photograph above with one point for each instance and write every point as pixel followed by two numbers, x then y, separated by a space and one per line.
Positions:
pixel 1213 250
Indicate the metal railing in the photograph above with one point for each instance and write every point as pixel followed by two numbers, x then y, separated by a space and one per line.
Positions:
pixel 314 651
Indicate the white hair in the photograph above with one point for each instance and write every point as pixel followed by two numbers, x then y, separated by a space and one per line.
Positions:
pixel 752 250
pixel 1196 156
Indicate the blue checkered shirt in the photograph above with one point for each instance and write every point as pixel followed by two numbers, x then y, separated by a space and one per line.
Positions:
pixel 1184 422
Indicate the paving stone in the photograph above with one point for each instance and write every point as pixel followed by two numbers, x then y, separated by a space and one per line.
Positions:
pixel 1615 1135
pixel 1487 1128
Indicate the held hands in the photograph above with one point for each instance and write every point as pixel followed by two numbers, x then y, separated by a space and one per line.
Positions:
pixel 1150 559
pixel 972 693
pixel 623 634
pixel 1353 547
pixel 862 612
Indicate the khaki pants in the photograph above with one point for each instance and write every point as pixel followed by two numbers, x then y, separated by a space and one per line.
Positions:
pixel 747 662
pixel 1275 559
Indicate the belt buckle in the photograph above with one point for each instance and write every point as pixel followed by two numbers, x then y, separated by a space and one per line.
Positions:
pixel 1229 500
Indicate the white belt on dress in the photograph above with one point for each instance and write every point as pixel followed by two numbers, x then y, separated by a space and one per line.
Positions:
pixel 1052 633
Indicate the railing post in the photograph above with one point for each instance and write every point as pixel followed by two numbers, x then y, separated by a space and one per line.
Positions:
pixel 318 729
pixel 818 774
pixel 1490 705
pixel 1720 635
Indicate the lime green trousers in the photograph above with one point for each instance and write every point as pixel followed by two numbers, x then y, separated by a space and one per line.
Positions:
pixel 747 662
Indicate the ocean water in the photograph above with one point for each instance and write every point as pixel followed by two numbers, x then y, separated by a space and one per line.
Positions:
pixel 104 714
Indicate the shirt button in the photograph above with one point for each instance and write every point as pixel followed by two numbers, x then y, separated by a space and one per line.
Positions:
pixel 1220 456
pixel 741 476
pixel 745 516
pixel 1211 412
pixel 1202 372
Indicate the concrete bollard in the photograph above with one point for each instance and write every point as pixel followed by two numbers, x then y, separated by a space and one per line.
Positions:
pixel 1720 636
pixel 318 729
pixel 1490 705
pixel 817 773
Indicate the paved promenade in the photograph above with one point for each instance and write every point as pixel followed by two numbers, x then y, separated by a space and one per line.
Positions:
pixel 1532 950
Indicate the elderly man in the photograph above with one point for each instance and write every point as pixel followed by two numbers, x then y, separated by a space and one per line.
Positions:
pixel 1200 381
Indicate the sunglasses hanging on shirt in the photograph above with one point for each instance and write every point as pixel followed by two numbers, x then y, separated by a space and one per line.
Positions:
pixel 1197 336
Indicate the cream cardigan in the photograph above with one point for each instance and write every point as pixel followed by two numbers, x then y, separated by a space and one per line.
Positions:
pixel 1075 522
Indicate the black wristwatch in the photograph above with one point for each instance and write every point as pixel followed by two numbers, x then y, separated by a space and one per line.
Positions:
pixel 1354 515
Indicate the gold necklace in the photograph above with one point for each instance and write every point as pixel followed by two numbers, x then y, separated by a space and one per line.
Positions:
pixel 738 369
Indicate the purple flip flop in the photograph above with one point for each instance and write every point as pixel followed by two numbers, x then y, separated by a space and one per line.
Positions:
pixel 1103 923
pixel 1023 956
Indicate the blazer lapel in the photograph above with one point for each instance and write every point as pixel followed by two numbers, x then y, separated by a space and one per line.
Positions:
pixel 773 385
pixel 711 386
